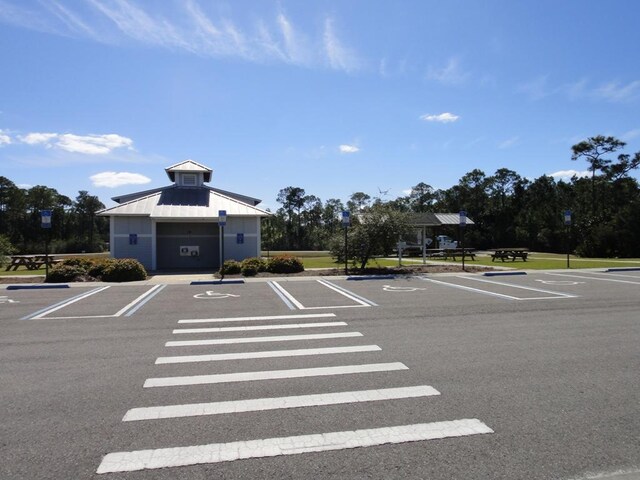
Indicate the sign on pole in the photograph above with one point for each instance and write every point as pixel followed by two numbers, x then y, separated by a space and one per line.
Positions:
pixel 45 216
pixel 567 218
pixel 222 217
pixel 346 218
pixel 463 218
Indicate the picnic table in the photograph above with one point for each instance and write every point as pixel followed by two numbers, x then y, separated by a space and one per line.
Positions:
pixel 459 252
pixel 509 253
pixel 31 262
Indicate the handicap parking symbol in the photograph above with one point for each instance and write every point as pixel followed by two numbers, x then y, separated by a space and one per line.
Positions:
pixel 559 282
pixel 5 299
pixel 389 288
pixel 211 295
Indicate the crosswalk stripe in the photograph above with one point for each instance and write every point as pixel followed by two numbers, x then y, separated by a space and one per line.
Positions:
pixel 280 338
pixel 272 447
pixel 272 374
pixel 260 404
pixel 260 327
pixel 263 317
pixel 215 357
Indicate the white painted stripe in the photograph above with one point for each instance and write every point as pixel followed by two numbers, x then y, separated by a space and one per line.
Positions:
pixel 216 357
pixel 280 338
pixel 260 404
pixel 343 291
pixel 144 299
pixel 272 374
pixel 522 287
pixel 282 296
pixel 67 303
pixel 287 295
pixel 469 289
pixel 273 447
pixel 46 309
pixel 284 326
pixel 264 317
pixel 593 278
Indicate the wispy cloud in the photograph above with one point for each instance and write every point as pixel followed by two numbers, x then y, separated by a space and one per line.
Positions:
pixel 118 179
pixel 190 26
pixel 567 175
pixel 612 91
pixel 451 74
pixel 445 117
pixel 349 149
pixel 5 139
pixel 85 144
pixel 630 135
pixel 508 143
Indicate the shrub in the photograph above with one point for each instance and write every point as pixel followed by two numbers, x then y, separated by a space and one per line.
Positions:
pixel 83 263
pixel 230 267
pixel 98 267
pixel 123 270
pixel 65 273
pixel 5 249
pixel 284 264
pixel 251 266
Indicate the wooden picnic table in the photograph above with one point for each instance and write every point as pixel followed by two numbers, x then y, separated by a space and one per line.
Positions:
pixel 31 262
pixel 509 253
pixel 460 252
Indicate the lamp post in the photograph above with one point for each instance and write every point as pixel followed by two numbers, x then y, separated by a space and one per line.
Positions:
pixel 45 217
pixel 222 221
pixel 463 223
pixel 346 221
pixel 567 224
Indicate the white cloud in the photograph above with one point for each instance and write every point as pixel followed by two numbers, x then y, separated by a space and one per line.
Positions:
pixel 4 138
pixel 349 149
pixel 508 143
pixel 445 117
pixel 118 179
pixel 86 144
pixel 569 174
pixel 536 89
pixel 630 135
pixel 450 74
pixel 36 138
pixel 339 56
pixel 616 92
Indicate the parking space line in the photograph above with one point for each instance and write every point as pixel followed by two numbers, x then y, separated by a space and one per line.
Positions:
pixel 264 317
pixel 558 294
pixel 272 375
pixel 215 357
pixel 141 301
pixel 469 289
pixel 291 301
pixel 282 338
pixel 610 274
pixel 350 295
pixel 61 305
pixel 593 278
pixel 260 327
pixel 279 403
pixel 271 447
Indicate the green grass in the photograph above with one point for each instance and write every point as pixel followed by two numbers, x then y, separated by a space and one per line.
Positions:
pixel 546 261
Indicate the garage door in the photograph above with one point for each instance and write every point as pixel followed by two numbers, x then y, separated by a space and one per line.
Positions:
pixel 187 246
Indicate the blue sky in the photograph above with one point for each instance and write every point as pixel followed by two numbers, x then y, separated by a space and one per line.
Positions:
pixel 331 96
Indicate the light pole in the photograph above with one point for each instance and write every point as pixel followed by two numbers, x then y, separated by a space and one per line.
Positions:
pixel 346 221
pixel 567 224
pixel 463 223
pixel 222 221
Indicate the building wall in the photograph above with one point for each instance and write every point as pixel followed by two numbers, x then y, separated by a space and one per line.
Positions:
pixel 131 237
pixel 241 238
pixel 172 238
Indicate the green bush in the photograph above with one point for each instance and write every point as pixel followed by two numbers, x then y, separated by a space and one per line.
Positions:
pixel 5 249
pixel 123 270
pixel 284 264
pixel 84 263
pixel 98 267
pixel 251 266
pixel 65 273
pixel 230 267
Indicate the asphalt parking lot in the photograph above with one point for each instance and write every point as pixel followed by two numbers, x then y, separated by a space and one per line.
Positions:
pixel 441 377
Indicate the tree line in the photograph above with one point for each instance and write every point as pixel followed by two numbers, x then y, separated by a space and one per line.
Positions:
pixel 508 209
pixel 74 228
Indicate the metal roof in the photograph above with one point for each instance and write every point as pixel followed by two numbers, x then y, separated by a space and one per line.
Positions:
pixel 425 219
pixel 179 203
pixel 451 219
pixel 189 166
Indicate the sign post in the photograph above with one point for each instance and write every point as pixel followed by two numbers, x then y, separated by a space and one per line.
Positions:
pixel 45 217
pixel 567 223
pixel 463 223
pixel 222 222
pixel 346 221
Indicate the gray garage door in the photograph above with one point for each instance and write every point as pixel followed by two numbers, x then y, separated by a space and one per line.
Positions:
pixel 187 246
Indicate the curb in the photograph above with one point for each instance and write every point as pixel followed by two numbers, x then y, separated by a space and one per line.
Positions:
pixel 497 274
pixel 35 287
pixel 217 282
pixel 623 269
